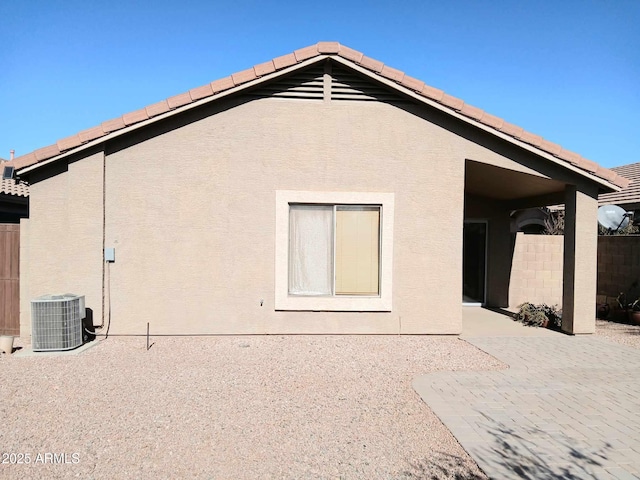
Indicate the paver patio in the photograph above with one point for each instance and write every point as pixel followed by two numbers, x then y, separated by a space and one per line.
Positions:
pixel 567 407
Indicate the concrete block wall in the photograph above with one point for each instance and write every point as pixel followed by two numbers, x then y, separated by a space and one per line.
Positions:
pixel 618 265
pixel 536 271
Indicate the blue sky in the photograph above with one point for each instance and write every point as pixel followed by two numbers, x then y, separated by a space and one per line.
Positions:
pixel 567 70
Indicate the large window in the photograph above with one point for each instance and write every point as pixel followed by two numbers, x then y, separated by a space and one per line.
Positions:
pixel 333 251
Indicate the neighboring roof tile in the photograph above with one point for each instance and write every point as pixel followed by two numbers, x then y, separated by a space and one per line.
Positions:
pixel 628 195
pixel 12 187
pixel 284 61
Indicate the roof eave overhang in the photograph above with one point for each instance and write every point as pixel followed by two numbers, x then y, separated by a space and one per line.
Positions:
pixel 349 64
pixel 541 153
pixel 177 111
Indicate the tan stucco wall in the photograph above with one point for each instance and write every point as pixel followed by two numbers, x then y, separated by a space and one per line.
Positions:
pixel 202 242
pixel 190 212
pixel 580 259
pixel 62 252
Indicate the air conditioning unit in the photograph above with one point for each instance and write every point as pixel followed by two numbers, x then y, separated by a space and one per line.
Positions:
pixel 56 322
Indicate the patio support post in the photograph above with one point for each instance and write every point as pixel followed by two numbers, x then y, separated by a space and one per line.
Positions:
pixel 580 259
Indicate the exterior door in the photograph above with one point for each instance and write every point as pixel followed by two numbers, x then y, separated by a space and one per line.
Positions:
pixel 474 262
pixel 9 279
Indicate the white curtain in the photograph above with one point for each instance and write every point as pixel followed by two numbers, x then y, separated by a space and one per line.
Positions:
pixel 310 249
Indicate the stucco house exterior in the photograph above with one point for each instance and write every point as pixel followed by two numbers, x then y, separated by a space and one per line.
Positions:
pixel 321 192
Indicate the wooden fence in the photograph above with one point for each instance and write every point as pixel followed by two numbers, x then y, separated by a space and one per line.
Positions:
pixel 9 279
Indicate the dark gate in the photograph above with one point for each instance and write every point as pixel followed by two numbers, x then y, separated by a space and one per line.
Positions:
pixel 9 279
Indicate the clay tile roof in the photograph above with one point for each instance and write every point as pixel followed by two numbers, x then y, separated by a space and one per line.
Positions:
pixel 179 100
pixel 135 117
pixel 264 68
pixel 471 111
pixel 385 72
pixel 284 61
pixel 328 47
pixel 412 83
pixel 201 92
pixel 628 195
pixel 432 93
pixel 222 84
pixel 452 102
pixel 492 120
pixel 351 54
pixel 307 52
pixel 244 76
pixel 157 109
pixel 12 187
pixel 374 65
pixel 69 142
pixel 552 148
pixel 47 152
pixel 392 73
pixel 511 129
pixel 113 125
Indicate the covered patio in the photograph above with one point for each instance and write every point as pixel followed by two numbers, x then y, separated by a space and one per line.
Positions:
pixel 492 191
pixel 488 322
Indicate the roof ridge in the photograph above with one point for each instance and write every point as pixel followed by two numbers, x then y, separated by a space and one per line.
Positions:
pixel 297 56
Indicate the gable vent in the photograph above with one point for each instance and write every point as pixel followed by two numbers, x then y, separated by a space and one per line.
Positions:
pixel 305 84
pixel 347 85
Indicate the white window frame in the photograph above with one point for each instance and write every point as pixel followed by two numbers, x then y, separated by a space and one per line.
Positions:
pixel 337 303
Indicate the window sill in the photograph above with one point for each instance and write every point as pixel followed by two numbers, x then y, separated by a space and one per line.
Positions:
pixel 332 304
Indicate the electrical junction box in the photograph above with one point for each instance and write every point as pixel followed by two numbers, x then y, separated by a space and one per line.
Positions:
pixel 109 254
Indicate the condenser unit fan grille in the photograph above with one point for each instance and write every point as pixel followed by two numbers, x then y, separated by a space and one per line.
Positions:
pixel 56 322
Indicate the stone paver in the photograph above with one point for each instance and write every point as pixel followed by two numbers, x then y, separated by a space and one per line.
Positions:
pixel 567 407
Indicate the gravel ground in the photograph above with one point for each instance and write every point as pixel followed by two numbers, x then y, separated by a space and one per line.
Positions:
pixel 234 407
pixel 619 332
